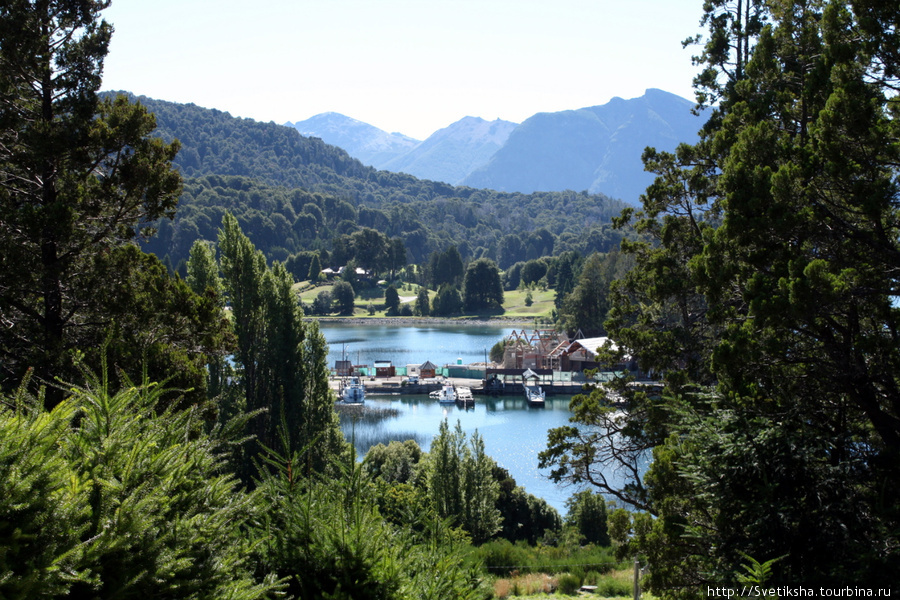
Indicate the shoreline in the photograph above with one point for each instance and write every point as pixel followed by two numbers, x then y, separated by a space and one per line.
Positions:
pixel 423 320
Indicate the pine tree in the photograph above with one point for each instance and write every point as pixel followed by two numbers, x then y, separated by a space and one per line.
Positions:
pixel 768 304
pixel 110 495
pixel 78 176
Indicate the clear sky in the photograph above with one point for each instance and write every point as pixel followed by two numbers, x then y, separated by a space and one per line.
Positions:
pixel 411 66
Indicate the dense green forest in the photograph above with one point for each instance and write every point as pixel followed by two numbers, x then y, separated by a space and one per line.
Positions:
pixel 765 295
pixel 175 436
pixel 293 194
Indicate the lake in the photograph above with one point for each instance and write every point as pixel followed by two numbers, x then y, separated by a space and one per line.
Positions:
pixel 513 432
pixel 404 345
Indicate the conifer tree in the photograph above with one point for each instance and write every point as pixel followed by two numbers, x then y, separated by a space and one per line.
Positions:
pixel 78 177
pixel 768 304
pixel 110 495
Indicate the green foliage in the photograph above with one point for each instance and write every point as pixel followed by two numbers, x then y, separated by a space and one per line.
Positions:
pixel 391 300
pixel 482 287
pixel 446 302
pixel 569 584
pixel 315 268
pixel 297 193
pixel 446 268
pixel 282 359
pixel 586 306
pixel 343 297
pixel 323 303
pixel 497 351
pixel 422 304
pixel 327 539
pixel 110 495
pixel 502 557
pixel 461 484
pixel 394 463
pixel 587 514
pixel 764 292
pixel 523 516
pixel 81 176
pixel 755 572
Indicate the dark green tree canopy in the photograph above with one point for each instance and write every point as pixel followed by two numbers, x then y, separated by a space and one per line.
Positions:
pixel 78 176
pixel 765 292
pixel 344 298
pixel 483 289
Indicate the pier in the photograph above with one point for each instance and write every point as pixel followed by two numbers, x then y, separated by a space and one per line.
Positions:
pixel 475 387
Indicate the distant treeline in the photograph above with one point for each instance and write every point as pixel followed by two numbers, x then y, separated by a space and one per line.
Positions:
pixel 292 194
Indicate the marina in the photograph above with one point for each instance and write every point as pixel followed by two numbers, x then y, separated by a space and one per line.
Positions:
pixel 414 376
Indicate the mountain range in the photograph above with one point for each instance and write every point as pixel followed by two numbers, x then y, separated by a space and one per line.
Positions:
pixel 597 149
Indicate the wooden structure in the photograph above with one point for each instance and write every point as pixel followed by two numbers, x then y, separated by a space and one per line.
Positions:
pixel 343 368
pixel 384 368
pixel 427 370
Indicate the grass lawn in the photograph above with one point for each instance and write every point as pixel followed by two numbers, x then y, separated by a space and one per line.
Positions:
pixel 513 301
pixel 541 307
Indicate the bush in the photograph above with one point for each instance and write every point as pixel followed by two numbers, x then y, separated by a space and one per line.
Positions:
pixel 569 584
pixel 616 585
pixel 499 554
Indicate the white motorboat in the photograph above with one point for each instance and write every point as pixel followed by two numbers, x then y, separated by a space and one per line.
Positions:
pixel 353 391
pixel 534 395
pixel 445 395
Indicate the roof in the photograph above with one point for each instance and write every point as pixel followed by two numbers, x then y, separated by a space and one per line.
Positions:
pixel 382 364
pixel 428 366
pixel 594 345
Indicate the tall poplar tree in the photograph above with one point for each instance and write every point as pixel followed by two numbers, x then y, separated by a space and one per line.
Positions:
pixel 79 176
pixel 461 482
pixel 281 359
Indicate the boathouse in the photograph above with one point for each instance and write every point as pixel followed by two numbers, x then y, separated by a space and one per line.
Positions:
pixel 427 370
pixel 384 368
pixel 343 368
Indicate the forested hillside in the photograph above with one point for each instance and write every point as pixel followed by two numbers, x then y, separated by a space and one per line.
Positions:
pixel 291 194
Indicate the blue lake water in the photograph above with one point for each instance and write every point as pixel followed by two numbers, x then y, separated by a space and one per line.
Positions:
pixel 404 345
pixel 513 432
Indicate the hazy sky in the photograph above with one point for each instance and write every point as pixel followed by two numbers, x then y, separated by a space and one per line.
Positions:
pixel 412 66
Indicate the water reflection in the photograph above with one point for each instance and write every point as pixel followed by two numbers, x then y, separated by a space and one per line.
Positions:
pixel 513 432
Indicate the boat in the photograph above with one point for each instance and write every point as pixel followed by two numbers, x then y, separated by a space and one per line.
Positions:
pixel 353 391
pixel 464 396
pixel 534 395
pixel 445 395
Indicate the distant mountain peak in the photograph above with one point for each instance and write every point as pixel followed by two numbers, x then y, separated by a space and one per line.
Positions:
pixel 451 153
pixel 596 148
pixel 372 146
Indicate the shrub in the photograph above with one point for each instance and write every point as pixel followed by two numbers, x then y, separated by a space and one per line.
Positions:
pixel 568 583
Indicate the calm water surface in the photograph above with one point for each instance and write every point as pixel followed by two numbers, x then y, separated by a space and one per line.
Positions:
pixel 411 344
pixel 513 432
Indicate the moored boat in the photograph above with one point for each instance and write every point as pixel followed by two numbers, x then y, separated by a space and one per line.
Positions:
pixel 353 391
pixel 445 395
pixel 534 395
